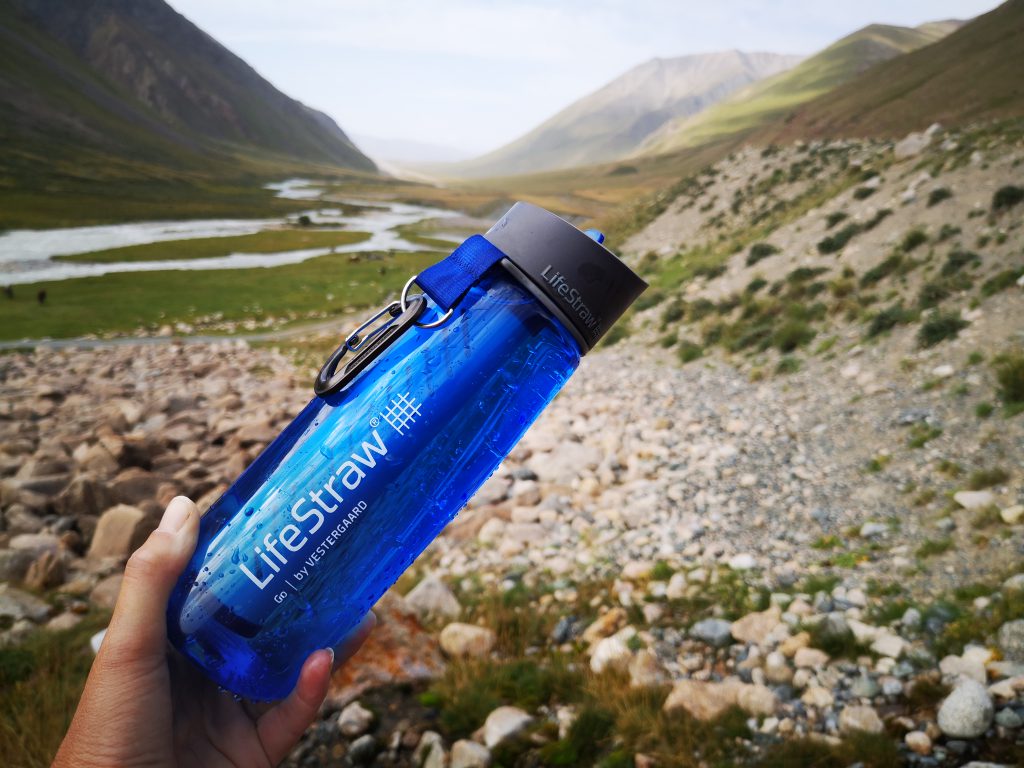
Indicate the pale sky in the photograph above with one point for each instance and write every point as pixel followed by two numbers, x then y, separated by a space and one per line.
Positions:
pixel 476 74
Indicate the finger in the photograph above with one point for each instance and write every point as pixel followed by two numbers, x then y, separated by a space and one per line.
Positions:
pixel 281 727
pixel 139 625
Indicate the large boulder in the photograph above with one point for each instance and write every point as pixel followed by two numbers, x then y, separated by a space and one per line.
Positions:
pixel 121 530
pixel 503 723
pixel 135 486
pixel 85 495
pixel 967 712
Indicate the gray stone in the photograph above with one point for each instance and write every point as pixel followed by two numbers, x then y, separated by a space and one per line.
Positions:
pixel 503 723
pixel 714 632
pixel 362 750
pixel 469 754
pixel 1007 718
pixel 355 720
pixel 14 564
pixel 1011 640
pixel 858 718
pixel 967 712
pixel 865 688
pixel 431 598
pixel 17 605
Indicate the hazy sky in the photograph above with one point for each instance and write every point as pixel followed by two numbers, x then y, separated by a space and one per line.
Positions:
pixel 476 74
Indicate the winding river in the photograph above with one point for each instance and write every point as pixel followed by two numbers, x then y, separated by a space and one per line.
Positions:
pixel 26 256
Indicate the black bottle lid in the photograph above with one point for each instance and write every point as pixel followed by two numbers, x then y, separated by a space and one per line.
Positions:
pixel 580 280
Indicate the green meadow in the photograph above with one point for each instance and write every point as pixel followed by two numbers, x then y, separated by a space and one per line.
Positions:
pixel 126 301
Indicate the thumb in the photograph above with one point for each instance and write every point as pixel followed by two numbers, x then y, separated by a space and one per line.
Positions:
pixel 138 627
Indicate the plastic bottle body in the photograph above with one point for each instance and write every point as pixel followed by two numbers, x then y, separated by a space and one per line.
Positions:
pixel 340 504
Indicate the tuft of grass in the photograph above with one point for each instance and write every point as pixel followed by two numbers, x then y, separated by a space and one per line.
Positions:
pixel 983 410
pixel 1006 279
pixel 618 332
pixel 837 646
pixel 939 327
pixel 932 547
pixel 863 193
pixel 880 271
pixel 889 318
pixel 987 478
pixel 921 435
pixel 947 231
pixel 1009 370
pixel 957 260
pixel 926 693
pixel 792 334
pixel 788 364
pixel 689 351
pixel 42 680
pixel 986 518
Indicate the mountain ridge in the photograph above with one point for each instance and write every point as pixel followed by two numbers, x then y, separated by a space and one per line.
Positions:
pixel 119 82
pixel 608 123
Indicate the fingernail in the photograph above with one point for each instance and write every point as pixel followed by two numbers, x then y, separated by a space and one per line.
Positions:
pixel 176 514
pixel 330 654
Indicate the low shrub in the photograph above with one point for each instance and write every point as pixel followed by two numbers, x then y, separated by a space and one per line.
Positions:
pixel 862 193
pixel 957 260
pixel 835 243
pixel 834 218
pixel 939 194
pixel 889 318
pixel 759 251
pixel 1009 370
pixel 913 239
pixel 939 327
pixel 788 364
pixel 791 335
pixel 932 294
pixel 1006 279
pixel 877 219
pixel 881 271
pixel 755 285
pixel 688 351
pixel 1007 197
pixel 947 231
pixel 987 478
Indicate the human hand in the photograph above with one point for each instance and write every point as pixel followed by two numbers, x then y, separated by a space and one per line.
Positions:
pixel 146 705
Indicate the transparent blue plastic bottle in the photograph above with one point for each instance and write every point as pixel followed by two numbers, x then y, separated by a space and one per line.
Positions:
pixel 355 488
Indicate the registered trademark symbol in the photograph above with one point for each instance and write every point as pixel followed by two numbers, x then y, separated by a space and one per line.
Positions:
pixel 374 422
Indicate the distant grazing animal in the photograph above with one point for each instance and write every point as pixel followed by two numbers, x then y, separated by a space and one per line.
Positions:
pixel 41 296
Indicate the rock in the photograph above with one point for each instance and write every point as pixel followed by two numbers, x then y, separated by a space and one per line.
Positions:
pixel 754 628
pixel 819 697
pixel 432 598
pixel 16 605
pixel 967 712
pixel 1014 585
pixel 776 670
pixel 677 585
pixel 105 593
pixel 362 750
pixel 645 670
pixel 953 666
pixel 35 543
pixel 715 632
pixel 399 650
pixel 889 645
pixel 1013 514
pixel 742 562
pixel 1007 718
pixel 355 720
pixel 85 495
pixel 134 486
pixel 637 570
pixel 503 723
pixel 469 754
pixel 911 145
pixel 564 465
pixel 491 531
pixel 918 742
pixel 430 751
pixel 1011 640
pixel 612 652
pixel 757 700
pixel 810 658
pixel 860 718
pixel 703 700
pixel 974 500
pixel 47 571
pixel 64 621
pixel 121 530
pixel 14 564
pixel 605 625
pixel 467 640
pixel 864 687
pixel 871 530
pixel 792 644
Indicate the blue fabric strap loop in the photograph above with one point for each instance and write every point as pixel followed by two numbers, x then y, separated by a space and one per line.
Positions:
pixel 448 280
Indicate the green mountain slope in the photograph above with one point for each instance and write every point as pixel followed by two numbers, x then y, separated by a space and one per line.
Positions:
pixel 113 90
pixel 614 120
pixel 767 100
pixel 976 73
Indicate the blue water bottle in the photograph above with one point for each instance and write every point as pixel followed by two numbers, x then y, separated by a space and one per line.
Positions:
pixel 412 413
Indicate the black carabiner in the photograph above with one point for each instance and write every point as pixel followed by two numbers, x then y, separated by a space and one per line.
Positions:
pixel 330 379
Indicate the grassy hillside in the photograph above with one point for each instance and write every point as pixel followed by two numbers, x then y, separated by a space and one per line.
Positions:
pixel 973 74
pixel 773 97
